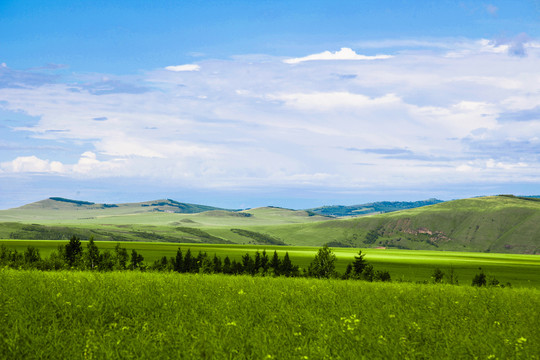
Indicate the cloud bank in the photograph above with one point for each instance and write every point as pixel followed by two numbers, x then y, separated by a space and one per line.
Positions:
pixel 462 114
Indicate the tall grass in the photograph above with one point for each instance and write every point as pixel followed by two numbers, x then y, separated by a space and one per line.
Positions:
pixel 156 315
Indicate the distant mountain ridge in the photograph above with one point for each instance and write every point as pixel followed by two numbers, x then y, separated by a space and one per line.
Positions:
pixel 161 205
pixel 169 205
pixel 372 208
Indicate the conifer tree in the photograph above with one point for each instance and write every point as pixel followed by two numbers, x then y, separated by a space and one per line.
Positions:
pixel 164 264
pixel 227 265
pixel 188 262
pixel 237 267
pixel 286 266
pixel 179 261
pixel 265 263
pixel 217 264
pixel 275 263
pixel 257 262
pixel 248 265
pixel 73 251
pixel 359 263
pixel 92 254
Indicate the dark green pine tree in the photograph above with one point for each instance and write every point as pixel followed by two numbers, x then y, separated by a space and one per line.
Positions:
pixel 286 266
pixel 179 261
pixel 248 265
pixel 265 262
pixel 257 262
pixel 275 263
pixel 237 267
pixel 227 269
pixel 73 251
pixel 188 262
pixel 359 264
pixel 92 255
pixel 217 264
pixel 164 264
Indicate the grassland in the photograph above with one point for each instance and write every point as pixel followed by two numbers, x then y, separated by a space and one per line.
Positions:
pixel 150 315
pixel 403 265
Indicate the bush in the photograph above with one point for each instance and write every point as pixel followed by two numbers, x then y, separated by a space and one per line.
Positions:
pixel 479 280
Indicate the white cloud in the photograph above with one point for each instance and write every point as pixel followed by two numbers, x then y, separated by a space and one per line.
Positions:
pixel 258 122
pixel 32 164
pixel 186 67
pixel 343 54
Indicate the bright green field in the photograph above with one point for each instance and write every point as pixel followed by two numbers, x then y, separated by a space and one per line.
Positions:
pixel 406 265
pixel 122 315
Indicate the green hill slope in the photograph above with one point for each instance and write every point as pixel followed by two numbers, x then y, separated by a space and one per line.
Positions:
pixel 503 224
pixel 63 210
pixel 160 220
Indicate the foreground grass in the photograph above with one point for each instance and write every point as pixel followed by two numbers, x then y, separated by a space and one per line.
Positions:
pixel 149 315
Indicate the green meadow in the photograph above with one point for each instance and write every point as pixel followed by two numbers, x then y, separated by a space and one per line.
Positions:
pixel 122 315
pixel 403 265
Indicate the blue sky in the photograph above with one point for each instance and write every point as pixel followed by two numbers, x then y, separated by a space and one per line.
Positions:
pixel 243 104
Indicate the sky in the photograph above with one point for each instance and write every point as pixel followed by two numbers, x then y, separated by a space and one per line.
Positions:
pixel 242 104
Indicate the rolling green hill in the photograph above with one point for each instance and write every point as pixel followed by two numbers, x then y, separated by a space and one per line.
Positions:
pixel 160 220
pixel 502 224
pixel 57 207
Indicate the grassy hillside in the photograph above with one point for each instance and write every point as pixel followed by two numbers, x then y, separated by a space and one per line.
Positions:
pixel 502 224
pixel 58 210
pixel 56 220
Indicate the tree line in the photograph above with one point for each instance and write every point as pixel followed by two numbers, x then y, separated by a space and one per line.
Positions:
pixel 73 256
